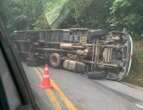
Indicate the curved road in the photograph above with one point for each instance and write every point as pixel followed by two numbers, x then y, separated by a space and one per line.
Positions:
pixel 89 94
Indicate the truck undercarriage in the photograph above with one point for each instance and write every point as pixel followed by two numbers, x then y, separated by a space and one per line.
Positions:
pixel 97 53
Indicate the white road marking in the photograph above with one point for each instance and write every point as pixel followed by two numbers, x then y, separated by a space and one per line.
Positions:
pixel 139 106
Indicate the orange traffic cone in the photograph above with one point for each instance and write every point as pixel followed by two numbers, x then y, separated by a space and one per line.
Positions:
pixel 46 83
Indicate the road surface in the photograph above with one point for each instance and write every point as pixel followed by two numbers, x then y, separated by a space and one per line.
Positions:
pixel 81 93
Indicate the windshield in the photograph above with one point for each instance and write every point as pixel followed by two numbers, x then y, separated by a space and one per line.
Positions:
pixel 79 54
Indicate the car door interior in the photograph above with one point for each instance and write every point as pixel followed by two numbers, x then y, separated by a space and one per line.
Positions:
pixel 8 86
pixel 15 91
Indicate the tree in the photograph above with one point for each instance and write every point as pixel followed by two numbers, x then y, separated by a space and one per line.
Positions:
pixel 21 14
pixel 127 13
pixel 84 13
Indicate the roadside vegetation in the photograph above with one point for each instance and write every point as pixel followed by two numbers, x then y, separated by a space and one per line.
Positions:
pixel 136 75
pixel 105 14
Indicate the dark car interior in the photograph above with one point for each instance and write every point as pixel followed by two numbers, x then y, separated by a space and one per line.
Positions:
pixel 15 91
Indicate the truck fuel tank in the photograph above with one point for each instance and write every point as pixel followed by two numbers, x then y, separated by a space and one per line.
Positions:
pixel 74 66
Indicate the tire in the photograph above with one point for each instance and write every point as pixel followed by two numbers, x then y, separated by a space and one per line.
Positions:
pixel 55 60
pixel 31 62
pixel 114 77
pixel 80 68
pixel 96 75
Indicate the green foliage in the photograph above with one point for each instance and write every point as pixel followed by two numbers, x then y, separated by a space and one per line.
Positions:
pixel 42 14
pixel 84 13
pixel 23 14
pixel 41 23
pixel 127 13
pixel 53 9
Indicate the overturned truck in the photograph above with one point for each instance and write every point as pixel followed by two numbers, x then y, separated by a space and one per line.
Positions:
pixel 97 53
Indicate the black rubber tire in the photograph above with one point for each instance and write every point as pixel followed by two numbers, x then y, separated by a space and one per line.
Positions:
pixel 114 77
pixel 31 62
pixel 55 60
pixel 96 75
pixel 80 68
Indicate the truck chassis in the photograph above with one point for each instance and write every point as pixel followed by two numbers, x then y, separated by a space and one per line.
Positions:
pixel 97 53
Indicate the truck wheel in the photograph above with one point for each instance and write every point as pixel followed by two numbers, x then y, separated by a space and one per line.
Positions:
pixel 96 75
pixel 114 77
pixel 80 67
pixel 31 62
pixel 55 60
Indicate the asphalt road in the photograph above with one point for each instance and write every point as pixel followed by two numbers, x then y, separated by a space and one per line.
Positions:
pixel 88 94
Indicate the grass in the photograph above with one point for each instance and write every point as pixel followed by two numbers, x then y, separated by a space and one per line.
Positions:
pixel 136 73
